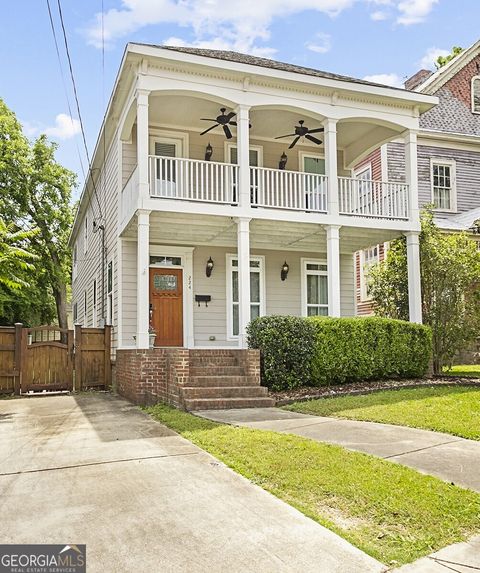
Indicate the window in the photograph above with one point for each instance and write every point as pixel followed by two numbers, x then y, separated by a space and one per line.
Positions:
pixel 75 312
pixel 166 261
pixel 443 184
pixel 257 294
pixel 94 303
pixel 110 293
pixel 364 178
pixel 255 160
pixel 476 94
pixel 84 308
pixel 74 262
pixel 314 288
pixel 166 146
pixel 368 258
pixel 85 235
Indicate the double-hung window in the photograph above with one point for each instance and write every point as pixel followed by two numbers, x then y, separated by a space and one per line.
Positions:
pixel 368 258
pixel 314 288
pixel 257 292
pixel 443 184
pixel 365 188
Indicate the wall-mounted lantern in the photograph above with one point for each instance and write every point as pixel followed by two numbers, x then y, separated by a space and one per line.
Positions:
pixel 209 267
pixel 283 161
pixel 284 272
pixel 208 152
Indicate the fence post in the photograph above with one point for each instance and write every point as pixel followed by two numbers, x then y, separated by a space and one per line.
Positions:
pixel 108 358
pixel 18 357
pixel 78 358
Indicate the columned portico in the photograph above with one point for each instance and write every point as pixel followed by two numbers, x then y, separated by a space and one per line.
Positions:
pixel 143 292
pixel 243 253
pixel 243 155
pixel 331 168
pixel 414 280
pixel 142 145
pixel 333 266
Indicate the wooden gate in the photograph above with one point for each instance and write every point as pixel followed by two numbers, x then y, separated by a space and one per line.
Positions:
pixel 46 359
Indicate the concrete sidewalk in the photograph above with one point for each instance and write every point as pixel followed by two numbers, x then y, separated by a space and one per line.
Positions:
pixel 94 469
pixel 448 457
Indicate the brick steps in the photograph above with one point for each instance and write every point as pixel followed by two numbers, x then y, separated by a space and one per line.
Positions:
pixel 207 362
pixel 217 381
pixel 191 392
pixel 223 403
pixel 216 370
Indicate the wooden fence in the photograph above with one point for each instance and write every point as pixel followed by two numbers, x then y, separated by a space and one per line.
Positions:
pixel 48 358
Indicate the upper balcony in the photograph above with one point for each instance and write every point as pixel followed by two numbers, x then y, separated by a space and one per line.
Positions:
pixel 196 165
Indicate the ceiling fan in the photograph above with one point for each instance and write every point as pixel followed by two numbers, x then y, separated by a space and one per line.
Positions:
pixel 224 120
pixel 303 131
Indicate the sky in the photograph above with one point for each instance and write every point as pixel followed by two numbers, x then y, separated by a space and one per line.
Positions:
pixel 381 40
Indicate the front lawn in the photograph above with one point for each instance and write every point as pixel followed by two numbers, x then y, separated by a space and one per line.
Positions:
pixel 450 409
pixel 392 512
pixel 464 370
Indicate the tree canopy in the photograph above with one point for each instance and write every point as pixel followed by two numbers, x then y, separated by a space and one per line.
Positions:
pixel 443 60
pixel 35 194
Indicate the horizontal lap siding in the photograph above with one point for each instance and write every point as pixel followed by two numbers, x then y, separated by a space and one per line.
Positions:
pixel 129 292
pixel 375 159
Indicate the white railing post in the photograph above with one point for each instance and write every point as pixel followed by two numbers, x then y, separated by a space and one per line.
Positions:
pixel 143 290
pixel 142 144
pixel 333 268
pixel 414 280
pixel 243 256
pixel 243 155
pixel 331 171
pixel 411 174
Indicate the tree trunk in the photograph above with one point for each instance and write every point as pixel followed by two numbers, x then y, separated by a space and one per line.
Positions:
pixel 60 295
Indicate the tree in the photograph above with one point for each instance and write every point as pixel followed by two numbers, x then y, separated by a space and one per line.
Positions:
pixel 35 193
pixel 450 278
pixel 14 258
pixel 443 60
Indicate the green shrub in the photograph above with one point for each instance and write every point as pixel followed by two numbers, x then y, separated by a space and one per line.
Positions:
pixel 316 351
pixel 287 345
pixel 370 348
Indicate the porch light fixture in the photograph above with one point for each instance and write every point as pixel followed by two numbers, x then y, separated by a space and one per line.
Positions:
pixel 209 267
pixel 284 272
pixel 283 161
pixel 208 152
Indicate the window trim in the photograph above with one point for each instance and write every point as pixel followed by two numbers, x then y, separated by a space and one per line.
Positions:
pixel 178 138
pixel 109 318
pixel 85 307
pixel 229 268
pixel 453 181
pixel 85 234
pixel 363 169
pixel 363 282
pixel 472 94
pixel 74 261
pixel 94 302
pixel 231 145
pixel 303 264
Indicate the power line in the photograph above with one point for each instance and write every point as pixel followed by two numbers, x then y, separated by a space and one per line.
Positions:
pixel 72 76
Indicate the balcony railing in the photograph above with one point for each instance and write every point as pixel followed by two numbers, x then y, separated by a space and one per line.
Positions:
pixel 208 181
pixel 368 198
pixel 288 190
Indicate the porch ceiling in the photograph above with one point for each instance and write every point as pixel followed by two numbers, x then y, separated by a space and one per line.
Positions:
pixel 185 112
pixel 195 230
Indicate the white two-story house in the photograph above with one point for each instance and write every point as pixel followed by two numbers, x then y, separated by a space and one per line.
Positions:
pixel 223 189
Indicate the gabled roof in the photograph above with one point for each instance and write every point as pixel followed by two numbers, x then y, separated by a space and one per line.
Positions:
pixel 433 83
pixel 231 56
pixel 462 222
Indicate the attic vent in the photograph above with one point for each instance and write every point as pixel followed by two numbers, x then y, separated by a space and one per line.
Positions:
pixel 165 149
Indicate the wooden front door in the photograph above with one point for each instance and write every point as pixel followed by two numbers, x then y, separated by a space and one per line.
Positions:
pixel 166 306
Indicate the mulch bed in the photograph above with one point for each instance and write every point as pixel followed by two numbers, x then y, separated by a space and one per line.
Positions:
pixel 351 389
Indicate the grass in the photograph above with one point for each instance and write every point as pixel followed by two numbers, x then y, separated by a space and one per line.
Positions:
pixel 467 370
pixel 392 512
pixel 450 409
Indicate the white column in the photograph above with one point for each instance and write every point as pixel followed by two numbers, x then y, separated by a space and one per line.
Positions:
pixel 143 289
pixel 333 267
pixel 243 155
pixel 243 254
pixel 330 146
pixel 414 281
pixel 142 145
pixel 411 174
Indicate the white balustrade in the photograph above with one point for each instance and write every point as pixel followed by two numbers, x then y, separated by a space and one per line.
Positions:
pixel 380 199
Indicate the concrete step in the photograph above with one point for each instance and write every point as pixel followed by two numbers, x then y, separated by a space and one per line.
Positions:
pixel 217 371
pixel 228 403
pixel 190 392
pixel 225 381
pixel 213 361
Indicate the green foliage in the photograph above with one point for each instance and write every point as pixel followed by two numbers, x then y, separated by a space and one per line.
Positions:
pixel 287 345
pixel 450 275
pixel 35 193
pixel 14 258
pixel 443 60
pixel 368 348
pixel 314 351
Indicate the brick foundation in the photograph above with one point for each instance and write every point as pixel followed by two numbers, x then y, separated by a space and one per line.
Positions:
pixel 147 377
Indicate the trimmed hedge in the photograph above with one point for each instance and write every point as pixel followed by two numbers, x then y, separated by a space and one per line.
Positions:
pixel 318 351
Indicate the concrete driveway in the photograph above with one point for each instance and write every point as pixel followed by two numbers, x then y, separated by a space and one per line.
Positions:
pixel 94 469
